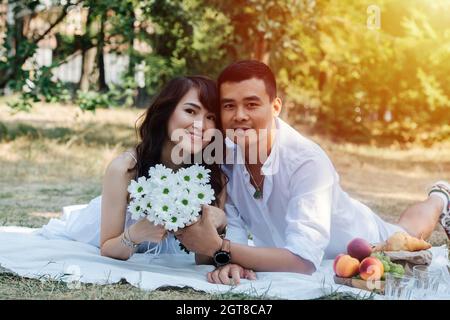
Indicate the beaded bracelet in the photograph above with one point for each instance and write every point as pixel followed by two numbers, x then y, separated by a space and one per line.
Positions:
pixel 128 242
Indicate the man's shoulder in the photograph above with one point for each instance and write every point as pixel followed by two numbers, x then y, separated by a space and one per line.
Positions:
pixel 299 156
pixel 295 146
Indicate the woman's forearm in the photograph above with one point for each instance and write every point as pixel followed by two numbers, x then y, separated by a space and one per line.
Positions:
pixel 114 248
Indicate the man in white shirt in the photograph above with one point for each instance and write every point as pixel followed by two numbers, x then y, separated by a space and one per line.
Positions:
pixel 289 199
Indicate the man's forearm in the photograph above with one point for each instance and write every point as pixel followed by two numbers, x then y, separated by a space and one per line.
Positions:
pixel 269 259
pixel 202 259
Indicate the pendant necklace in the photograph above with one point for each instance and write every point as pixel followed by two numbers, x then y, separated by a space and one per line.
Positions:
pixel 258 192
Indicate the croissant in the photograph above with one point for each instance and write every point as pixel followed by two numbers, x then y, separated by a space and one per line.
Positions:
pixel 401 241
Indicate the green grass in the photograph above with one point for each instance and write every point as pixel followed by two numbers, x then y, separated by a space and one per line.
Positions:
pixel 56 155
pixel 15 287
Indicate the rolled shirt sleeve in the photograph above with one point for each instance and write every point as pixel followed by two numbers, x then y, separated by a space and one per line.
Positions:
pixel 308 215
pixel 236 230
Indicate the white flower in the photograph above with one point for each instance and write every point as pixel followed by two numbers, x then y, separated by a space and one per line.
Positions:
pixel 193 218
pixel 166 191
pixel 194 174
pixel 159 174
pixel 172 226
pixel 202 194
pixel 185 175
pixel 200 174
pixel 155 219
pixel 184 200
pixel 136 209
pixel 175 222
pixel 147 204
pixel 138 188
pixel 163 208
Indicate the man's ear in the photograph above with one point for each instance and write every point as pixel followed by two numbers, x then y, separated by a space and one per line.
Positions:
pixel 276 106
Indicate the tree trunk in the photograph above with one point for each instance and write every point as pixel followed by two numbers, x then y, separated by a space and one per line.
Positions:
pixel 132 63
pixel 88 65
pixel 16 38
pixel 260 51
pixel 9 23
pixel 88 54
pixel 102 86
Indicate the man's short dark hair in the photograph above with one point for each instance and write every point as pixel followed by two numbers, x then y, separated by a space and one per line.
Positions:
pixel 248 69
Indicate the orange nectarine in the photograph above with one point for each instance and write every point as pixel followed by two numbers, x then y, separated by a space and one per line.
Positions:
pixel 371 268
pixel 345 266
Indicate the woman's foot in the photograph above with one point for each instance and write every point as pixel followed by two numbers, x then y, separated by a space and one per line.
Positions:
pixel 442 190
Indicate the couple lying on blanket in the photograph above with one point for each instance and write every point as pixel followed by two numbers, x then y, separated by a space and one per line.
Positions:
pixel 288 197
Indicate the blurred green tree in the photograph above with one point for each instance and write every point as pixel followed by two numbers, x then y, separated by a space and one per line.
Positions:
pixel 351 69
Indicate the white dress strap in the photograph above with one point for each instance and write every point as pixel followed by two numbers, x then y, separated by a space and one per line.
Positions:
pixel 132 155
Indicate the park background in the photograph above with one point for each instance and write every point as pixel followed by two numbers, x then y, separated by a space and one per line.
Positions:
pixel 367 80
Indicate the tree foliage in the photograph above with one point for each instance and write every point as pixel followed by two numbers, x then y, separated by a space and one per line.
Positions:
pixel 336 70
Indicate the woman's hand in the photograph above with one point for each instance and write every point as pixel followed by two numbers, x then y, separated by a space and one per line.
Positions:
pixel 230 274
pixel 145 230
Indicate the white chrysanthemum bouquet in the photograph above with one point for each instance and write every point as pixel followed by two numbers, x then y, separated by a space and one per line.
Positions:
pixel 168 198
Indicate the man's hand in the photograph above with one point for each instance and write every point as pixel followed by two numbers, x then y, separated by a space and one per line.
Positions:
pixel 230 274
pixel 201 237
pixel 218 216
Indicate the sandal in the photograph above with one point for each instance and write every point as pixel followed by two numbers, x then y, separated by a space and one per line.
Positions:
pixel 442 189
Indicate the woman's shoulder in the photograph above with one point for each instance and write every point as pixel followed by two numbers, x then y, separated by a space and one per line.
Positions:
pixel 123 163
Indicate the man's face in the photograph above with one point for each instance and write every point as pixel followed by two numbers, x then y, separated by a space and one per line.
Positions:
pixel 245 106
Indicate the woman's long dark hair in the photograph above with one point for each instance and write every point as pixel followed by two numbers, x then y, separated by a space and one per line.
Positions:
pixel 152 131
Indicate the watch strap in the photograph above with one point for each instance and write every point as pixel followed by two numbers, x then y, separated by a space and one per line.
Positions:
pixel 226 245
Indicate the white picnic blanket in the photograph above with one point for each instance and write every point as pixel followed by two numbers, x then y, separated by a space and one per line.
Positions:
pixel 33 256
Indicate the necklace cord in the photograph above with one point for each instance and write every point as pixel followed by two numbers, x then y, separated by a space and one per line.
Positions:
pixel 253 179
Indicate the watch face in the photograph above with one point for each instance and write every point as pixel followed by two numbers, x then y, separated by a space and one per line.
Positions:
pixel 222 258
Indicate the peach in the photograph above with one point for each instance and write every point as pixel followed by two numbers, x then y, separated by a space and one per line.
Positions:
pixel 345 266
pixel 336 260
pixel 371 268
pixel 359 248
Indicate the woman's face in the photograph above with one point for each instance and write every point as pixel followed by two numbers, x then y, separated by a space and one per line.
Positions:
pixel 188 123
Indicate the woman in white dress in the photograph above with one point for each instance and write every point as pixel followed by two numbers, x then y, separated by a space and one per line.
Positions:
pixel 188 103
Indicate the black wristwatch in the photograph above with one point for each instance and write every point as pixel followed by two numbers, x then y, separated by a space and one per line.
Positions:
pixel 223 256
